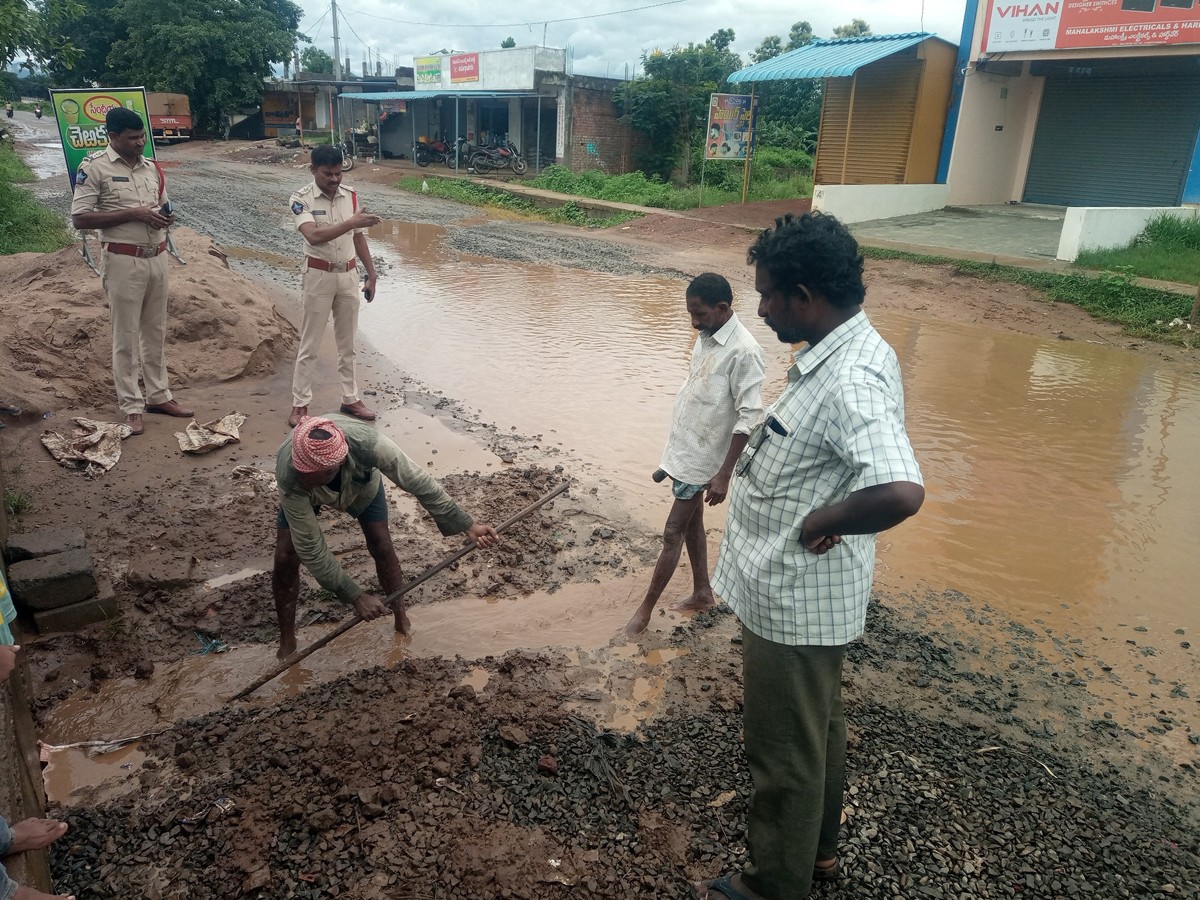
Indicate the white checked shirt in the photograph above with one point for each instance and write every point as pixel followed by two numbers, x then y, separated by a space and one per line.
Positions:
pixel 837 428
pixel 721 397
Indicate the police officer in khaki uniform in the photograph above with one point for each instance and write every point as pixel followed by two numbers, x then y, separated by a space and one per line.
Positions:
pixel 123 194
pixel 334 231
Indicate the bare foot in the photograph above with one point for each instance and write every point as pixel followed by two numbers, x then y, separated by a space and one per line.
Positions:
pixel 698 600
pixel 28 893
pixel 638 623
pixel 36 834
pixel 402 624
pixel 287 646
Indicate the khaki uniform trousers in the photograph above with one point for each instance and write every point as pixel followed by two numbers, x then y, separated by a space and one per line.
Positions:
pixel 324 293
pixel 137 302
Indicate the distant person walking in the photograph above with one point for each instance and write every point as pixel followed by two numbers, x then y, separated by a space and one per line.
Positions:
pixel 829 466
pixel 714 411
pixel 124 195
pixel 335 240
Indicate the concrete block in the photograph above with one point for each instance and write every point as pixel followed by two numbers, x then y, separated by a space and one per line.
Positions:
pixel 36 544
pixel 101 608
pixel 162 570
pixel 53 581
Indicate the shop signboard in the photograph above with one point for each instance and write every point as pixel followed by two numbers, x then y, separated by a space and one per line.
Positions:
pixel 1016 25
pixel 427 70
pixel 730 132
pixel 80 113
pixel 464 67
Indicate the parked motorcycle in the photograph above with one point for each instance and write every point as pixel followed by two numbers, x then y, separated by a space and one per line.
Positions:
pixel 458 157
pixel 504 156
pixel 347 156
pixel 426 152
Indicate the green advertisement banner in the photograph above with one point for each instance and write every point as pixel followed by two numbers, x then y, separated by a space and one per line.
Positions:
pixel 80 114
pixel 427 69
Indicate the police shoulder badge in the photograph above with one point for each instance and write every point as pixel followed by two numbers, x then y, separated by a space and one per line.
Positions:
pixel 81 176
pixel 297 207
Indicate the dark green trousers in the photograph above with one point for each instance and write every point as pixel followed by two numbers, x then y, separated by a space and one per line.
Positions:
pixel 795 737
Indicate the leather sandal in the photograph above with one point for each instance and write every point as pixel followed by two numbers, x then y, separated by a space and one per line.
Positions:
pixel 299 414
pixel 827 873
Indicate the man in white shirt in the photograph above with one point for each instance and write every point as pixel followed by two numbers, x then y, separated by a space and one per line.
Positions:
pixel 829 467
pixel 714 411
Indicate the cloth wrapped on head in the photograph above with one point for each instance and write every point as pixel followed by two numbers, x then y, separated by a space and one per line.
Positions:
pixel 315 453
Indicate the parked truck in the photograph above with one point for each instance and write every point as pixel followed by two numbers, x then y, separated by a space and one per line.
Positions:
pixel 170 117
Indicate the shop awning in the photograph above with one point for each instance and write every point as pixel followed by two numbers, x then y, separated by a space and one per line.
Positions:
pixel 380 96
pixel 835 58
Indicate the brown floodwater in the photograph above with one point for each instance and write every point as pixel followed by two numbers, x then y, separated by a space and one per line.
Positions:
pixel 1058 471
pixel 1061 486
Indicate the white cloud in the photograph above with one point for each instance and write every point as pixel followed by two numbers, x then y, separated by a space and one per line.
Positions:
pixel 601 45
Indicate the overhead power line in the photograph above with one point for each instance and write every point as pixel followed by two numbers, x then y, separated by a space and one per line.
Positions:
pixel 618 12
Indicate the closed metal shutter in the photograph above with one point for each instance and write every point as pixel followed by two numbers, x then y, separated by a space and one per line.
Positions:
pixel 880 124
pixel 831 134
pixel 1109 140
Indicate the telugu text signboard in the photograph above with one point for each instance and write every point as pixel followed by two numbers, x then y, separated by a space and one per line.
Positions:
pixel 730 126
pixel 1075 24
pixel 464 67
pixel 427 69
pixel 81 114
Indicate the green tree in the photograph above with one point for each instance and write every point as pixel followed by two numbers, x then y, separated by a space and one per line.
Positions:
pixel 856 28
pixel 35 30
pixel 721 39
pixel 770 47
pixel 508 42
pixel 669 103
pixel 316 60
pixel 217 52
pixel 801 35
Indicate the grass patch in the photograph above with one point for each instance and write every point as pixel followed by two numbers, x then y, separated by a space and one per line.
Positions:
pixel 570 213
pixel 1169 249
pixel 1141 312
pixel 17 502
pixel 724 186
pixel 24 225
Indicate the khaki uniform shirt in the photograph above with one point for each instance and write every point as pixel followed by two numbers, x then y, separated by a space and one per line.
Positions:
pixel 106 182
pixel 370 457
pixel 310 205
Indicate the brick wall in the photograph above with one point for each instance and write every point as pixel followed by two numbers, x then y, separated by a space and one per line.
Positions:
pixel 598 140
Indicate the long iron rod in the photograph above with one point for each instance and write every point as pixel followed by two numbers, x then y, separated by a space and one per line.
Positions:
pixel 419 580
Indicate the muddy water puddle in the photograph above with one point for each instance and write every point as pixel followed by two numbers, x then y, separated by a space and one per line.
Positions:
pixel 1057 471
pixel 581 616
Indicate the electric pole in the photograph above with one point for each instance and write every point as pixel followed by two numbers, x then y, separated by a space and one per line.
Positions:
pixel 337 47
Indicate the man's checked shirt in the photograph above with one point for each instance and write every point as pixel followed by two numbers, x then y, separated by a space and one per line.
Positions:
pixel 837 428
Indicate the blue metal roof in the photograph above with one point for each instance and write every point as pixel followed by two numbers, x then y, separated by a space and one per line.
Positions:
pixel 834 58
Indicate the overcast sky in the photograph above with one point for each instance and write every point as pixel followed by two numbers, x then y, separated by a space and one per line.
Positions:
pixel 601 44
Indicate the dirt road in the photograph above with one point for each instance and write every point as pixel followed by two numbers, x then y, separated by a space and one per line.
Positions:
pixel 457 765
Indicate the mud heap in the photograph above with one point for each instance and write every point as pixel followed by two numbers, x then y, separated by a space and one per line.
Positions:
pixel 57 346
